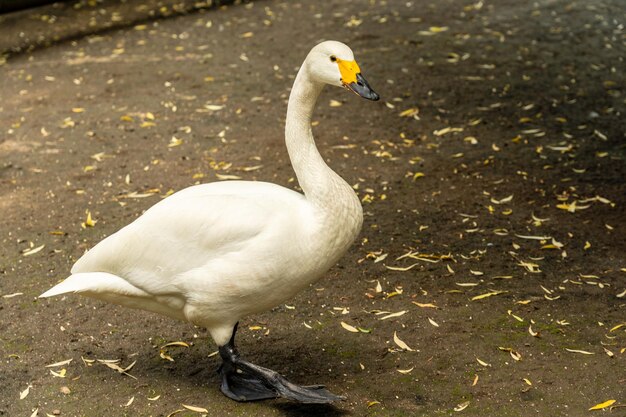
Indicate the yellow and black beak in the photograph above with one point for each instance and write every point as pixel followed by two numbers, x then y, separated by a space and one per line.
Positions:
pixel 352 79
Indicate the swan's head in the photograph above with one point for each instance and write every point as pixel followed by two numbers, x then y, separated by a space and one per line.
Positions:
pixel 333 63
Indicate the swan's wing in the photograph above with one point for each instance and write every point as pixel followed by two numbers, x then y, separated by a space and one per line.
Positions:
pixel 190 228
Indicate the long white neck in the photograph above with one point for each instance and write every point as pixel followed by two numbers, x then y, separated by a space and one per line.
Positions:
pixel 321 185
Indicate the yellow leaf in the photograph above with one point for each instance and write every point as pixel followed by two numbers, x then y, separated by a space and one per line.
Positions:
pixel 174 142
pixel 483 363
pixel 372 403
pixel 392 315
pixel 587 245
pixel 584 352
pixel 89 222
pixel 349 328
pixel 335 103
pixel 527 381
pixel 196 409
pixel 489 294
pixel 602 405
pixel 54 365
pixel 438 29
pixel 394 268
pixel 183 344
pixel 78 109
pixel 462 406
pixel 410 112
pixel 433 322
pixel 475 381
pixel 428 305
pixel 33 250
pixel 227 177
pixel 405 371
pixel 400 343
pixel 25 393
pixel 617 327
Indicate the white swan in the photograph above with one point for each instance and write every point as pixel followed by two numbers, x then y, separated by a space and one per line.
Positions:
pixel 214 253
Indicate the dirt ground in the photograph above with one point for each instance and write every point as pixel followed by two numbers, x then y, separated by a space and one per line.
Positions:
pixel 491 174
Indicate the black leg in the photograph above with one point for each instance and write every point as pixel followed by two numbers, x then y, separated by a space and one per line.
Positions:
pixel 245 381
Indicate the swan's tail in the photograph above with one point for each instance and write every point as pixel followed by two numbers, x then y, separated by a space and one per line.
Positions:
pixel 94 283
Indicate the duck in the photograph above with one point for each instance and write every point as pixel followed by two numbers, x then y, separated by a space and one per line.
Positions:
pixel 214 253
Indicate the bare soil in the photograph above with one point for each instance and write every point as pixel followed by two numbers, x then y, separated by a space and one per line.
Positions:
pixel 493 166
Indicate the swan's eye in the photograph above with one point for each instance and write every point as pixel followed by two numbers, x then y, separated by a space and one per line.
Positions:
pixel 333 58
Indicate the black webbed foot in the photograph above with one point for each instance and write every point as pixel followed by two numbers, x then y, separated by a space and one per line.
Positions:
pixel 245 381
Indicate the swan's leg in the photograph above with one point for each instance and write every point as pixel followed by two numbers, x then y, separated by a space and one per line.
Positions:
pixel 245 381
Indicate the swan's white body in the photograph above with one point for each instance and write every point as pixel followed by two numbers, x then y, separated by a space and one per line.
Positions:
pixel 214 253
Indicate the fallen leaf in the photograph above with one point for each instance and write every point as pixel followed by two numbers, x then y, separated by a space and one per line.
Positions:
pixel 584 352
pixel 183 344
pixel 462 406
pixel 25 393
pixel 388 316
pixel 174 142
pixel 33 250
pixel 15 294
pixel 196 409
pixel 483 363
pixel 54 365
pixel 602 405
pixel 394 268
pixel 428 305
pixel 405 371
pixel 409 112
pixel 227 177
pixel 349 328
pixel 89 222
pixel 488 294
pixel 433 322
pixel 400 343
